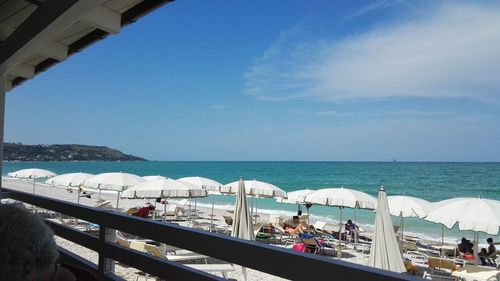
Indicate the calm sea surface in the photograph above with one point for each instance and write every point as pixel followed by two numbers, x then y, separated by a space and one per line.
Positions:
pixel 430 181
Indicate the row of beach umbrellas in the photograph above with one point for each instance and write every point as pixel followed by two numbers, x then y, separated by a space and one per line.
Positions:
pixel 476 214
pixel 470 213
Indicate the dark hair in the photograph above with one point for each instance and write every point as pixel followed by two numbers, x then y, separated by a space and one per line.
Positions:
pixel 464 239
pixel 489 240
pixel 295 217
pixel 349 221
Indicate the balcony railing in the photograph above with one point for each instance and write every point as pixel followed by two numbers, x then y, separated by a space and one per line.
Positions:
pixel 259 256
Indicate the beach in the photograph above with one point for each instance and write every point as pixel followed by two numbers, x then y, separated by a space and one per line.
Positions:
pixel 122 270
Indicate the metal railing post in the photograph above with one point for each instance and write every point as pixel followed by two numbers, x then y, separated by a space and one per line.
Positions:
pixel 106 265
pixel 3 91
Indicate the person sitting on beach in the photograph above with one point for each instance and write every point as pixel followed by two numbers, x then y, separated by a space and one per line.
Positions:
pixel 351 228
pixel 27 249
pixel 465 248
pixel 144 212
pixel 488 256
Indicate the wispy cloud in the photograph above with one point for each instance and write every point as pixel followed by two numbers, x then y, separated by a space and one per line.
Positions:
pixel 374 114
pixel 219 106
pixel 451 52
pixel 379 5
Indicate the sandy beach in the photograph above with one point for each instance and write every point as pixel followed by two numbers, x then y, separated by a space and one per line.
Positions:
pixel 128 273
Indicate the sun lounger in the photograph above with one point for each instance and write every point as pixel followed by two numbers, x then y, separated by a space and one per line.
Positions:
pixel 313 244
pixel 441 265
pixel 79 225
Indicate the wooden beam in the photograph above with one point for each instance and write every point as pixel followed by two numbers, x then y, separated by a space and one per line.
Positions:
pixel 54 50
pixel 104 19
pixel 8 85
pixel 5 32
pixel 42 26
pixel 22 70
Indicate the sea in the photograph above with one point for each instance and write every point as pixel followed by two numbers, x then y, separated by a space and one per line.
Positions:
pixel 429 181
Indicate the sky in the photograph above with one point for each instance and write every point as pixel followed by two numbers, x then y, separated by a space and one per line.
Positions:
pixel 273 80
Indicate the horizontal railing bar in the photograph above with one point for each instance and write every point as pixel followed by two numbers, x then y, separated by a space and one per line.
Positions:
pixel 155 266
pixel 218 245
pixel 147 264
pixel 84 239
pixel 66 256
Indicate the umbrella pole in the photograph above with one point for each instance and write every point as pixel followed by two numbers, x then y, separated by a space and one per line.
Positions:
pixel 117 200
pixel 339 254
pixel 99 194
pixel 34 182
pixel 400 228
pixel 356 228
pixel 212 213
pixel 165 210
pixel 476 246
pixel 78 194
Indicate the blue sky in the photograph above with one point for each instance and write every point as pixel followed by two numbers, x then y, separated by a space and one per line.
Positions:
pixel 273 80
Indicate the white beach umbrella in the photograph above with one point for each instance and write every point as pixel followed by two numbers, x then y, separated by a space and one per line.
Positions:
pixel 113 181
pixel 384 252
pixel 406 206
pixel 205 183
pixel 33 173
pixel 476 214
pixel 242 220
pixel 211 186
pixel 255 188
pixel 342 198
pixel 167 188
pixel 297 197
pixel 154 178
pixel 70 180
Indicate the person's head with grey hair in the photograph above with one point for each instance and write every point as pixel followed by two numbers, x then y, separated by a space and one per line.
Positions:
pixel 27 247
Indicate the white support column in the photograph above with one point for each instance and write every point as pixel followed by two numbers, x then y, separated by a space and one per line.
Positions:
pixel 3 91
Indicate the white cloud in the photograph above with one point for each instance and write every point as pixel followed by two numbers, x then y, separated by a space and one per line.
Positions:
pixel 453 52
pixel 219 106
pixel 379 5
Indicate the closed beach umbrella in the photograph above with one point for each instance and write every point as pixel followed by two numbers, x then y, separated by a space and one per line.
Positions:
pixel 154 178
pixel 384 252
pixel 113 181
pixel 407 207
pixel 342 198
pixel 242 220
pixel 70 180
pixel 476 214
pixel 33 173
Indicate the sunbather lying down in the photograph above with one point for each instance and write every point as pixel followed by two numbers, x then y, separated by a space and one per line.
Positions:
pixel 301 227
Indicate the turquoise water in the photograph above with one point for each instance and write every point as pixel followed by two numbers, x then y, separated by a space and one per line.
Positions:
pixel 430 181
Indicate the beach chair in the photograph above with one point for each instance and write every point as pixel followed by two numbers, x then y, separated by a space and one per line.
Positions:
pixel 313 244
pixel 228 219
pixel 441 266
pixel 159 252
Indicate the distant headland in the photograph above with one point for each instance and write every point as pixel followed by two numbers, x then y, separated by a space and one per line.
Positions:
pixel 64 152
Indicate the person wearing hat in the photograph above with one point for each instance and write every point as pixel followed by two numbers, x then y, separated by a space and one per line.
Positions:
pixel 492 251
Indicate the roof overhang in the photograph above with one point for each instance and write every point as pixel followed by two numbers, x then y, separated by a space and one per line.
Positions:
pixel 37 34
